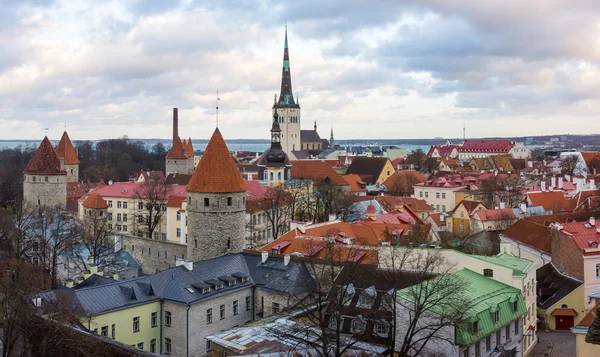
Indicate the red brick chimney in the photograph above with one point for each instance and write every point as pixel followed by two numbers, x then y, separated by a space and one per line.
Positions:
pixel 175 125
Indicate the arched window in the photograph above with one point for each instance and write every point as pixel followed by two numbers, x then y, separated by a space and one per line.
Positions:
pixel 333 321
pixel 279 176
pixel 265 175
pixel 271 176
pixel 563 306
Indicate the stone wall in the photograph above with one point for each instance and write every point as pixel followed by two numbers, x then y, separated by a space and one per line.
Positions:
pixel 72 173
pixel 180 166
pixel 196 323
pixel 566 255
pixel 153 254
pixel 218 228
pixel 263 302
pixel 45 190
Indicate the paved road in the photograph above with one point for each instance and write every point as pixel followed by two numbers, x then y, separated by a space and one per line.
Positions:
pixel 557 343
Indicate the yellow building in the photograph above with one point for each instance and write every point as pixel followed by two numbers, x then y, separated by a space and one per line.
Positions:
pixel 585 349
pixel 459 221
pixel 561 299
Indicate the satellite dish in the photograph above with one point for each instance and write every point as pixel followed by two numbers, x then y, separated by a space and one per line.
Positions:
pixel 110 182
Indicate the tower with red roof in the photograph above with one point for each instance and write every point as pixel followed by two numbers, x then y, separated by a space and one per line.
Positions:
pixel 45 181
pixel 216 204
pixel 68 158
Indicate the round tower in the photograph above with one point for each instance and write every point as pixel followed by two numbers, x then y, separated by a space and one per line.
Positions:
pixel 216 204
pixel 274 165
pixel 45 182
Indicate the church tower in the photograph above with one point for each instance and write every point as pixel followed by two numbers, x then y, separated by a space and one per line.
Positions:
pixel 68 158
pixel 288 110
pixel 274 165
pixel 216 204
pixel 45 181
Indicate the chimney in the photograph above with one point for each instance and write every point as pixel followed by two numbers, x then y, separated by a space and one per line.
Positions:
pixel 592 184
pixel 523 207
pixel 560 183
pixel 568 178
pixel 175 125
pixel 332 217
pixel 529 163
pixel 543 184
pixel 264 256
pixel 592 221
pixel 553 181
pixel 286 260
pixel 502 205
pixel 442 217
pixel 580 182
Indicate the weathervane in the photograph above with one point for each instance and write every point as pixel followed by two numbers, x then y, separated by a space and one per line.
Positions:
pixel 218 99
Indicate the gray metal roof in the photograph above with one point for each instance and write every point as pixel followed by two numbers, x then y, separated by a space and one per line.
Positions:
pixel 309 136
pixel 180 285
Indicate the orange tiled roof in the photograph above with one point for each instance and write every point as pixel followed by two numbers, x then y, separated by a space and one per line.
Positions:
pixel 355 182
pixel 95 201
pixel 589 317
pixel 189 150
pixel 177 150
pixel 416 205
pixel 550 200
pixel 530 233
pixel 316 171
pixel 45 161
pixel 437 218
pixel 588 156
pixel 66 150
pixel 496 214
pixel 404 180
pixel 216 171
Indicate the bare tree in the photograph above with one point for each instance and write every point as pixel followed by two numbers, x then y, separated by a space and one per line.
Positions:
pixel 403 185
pixel 14 231
pixel 97 239
pixel 150 196
pixel 55 237
pixel 330 261
pixel 277 206
pixel 328 199
pixel 568 164
pixel 426 304
pixel 19 280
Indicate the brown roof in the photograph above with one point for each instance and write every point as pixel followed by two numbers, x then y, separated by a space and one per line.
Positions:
pixel 416 205
pixel 66 150
pixel 363 165
pixel 531 234
pixel 45 161
pixel 589 317
pixel 404 180
pixel 550 200
pixel 316 171
pixel 95 201
pixel 469 205
pixel 189 150
pixel 216 171
pixel 178 179
pixel 437 218
pixel 177 150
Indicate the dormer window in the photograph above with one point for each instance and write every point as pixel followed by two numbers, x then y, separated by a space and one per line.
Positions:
pixel 475 327
pixel 381 328
pixel 497 316
pixel 244 279
pixel 348 294
pixel 205 290
pixel 219 286
pixel 488 272
pixel 232 283
pixel 358 324
pixel 367 297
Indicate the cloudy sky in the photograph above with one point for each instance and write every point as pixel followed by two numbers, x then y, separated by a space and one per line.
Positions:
pixel 369 69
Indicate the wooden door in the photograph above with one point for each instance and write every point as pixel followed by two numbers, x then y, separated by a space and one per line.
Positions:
pixel 564 322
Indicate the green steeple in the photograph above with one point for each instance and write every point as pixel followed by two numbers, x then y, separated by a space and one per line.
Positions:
pixel 331 141
pixel 286 97
pixel 286 45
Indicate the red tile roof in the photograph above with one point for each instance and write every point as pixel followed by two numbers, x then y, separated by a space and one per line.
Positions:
pixel 584 234
pixel 488 146
pixel 550 200
pixel 177 150
pixel 415 204
pixel 589 317
pixel 95 201
pixel 496 214
pixel 437 218
pixel 76 190
pixel 530 233
pixel 316 171
pixel 128 190
pixel 355 182
pixel 216 172
pixel 443 150
pixel 45 161
pixel 66 150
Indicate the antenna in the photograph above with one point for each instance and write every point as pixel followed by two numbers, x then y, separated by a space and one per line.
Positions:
pixel 46 131
pixel 218 99
pixel 65 124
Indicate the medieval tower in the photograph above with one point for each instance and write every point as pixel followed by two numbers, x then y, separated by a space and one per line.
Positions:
pixel 68 158
pixel 45 182
pixel 216 204
pixel 180 158
pixel 288 109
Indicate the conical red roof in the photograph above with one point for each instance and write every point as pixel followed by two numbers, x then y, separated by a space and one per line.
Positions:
pixel 45 161
pixel 66 150
pixel 190 148
pixel 216 172
pixel 176 151
pixel 95 201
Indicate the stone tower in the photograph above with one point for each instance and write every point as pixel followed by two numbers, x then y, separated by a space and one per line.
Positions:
pixel 94 215
pixel 288 110
pixel 45 182
pixel 274 165
pixel 216 205
pixel 68 158
pixel 180 158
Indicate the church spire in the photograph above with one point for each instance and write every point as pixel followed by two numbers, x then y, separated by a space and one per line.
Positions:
pixel 331 141
pixel 286 97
